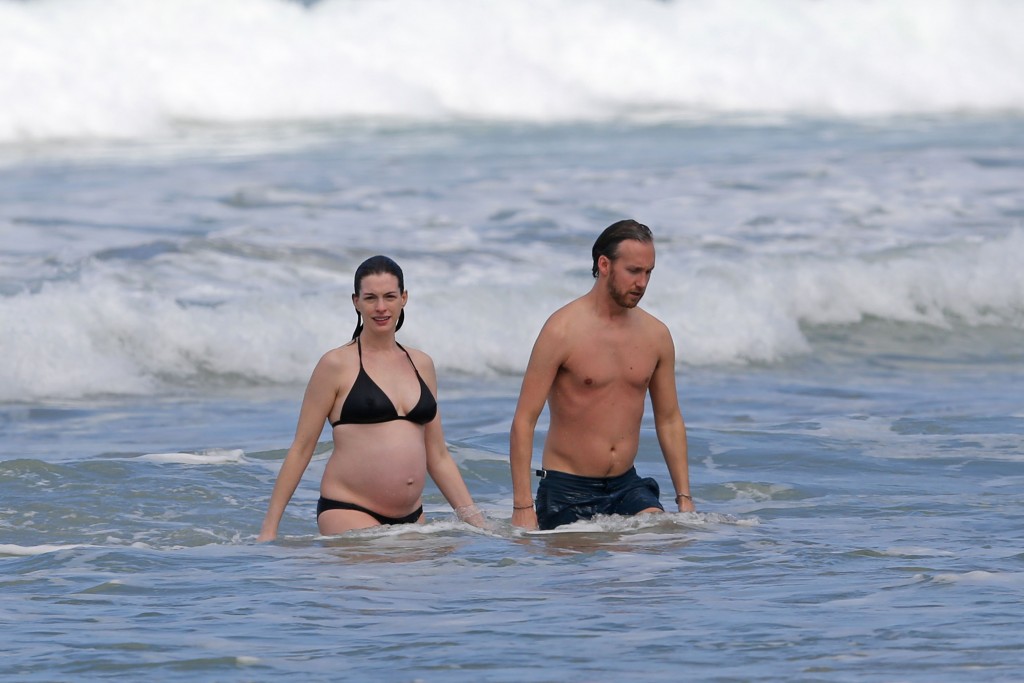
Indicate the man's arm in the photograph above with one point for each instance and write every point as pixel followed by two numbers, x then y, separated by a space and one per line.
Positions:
pixel 546 358
pixel 668 421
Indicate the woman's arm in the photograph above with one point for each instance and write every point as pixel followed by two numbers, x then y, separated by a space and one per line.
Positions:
pixel 321 393
pixel 440 464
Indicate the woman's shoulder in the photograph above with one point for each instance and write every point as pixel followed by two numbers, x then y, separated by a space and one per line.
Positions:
pixel 340 356
pixel 418 355
pixel 421 359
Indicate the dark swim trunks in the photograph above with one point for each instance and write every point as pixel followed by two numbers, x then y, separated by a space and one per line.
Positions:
pixel 564 498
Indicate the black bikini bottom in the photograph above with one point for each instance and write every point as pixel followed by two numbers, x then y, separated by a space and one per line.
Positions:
pixel 325 504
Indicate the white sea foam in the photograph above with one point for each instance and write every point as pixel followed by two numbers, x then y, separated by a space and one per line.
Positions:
pixel 211 457
pixel 132 68
pixel 27 551
pixel 440 525
pixel 914 551
pixel 660 522
pixel 981 577
pixel 97 335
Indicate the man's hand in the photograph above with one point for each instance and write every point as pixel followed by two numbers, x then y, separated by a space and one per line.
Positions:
pixel 525 518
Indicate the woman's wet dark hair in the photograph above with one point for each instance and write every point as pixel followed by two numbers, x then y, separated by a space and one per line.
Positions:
pixel 607 243
pixel 377 265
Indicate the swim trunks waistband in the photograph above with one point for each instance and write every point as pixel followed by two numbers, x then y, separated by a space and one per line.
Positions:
pixel 545 473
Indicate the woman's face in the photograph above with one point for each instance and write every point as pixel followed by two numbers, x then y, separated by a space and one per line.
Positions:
pixel 379 301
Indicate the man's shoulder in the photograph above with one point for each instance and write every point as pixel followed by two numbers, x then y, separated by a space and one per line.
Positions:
pixel 575 307
pixel 576 314
pixel 650 321
pixel 561 320
pixel 656 331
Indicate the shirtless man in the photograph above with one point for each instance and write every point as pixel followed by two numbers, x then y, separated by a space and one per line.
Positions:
pixel 593 363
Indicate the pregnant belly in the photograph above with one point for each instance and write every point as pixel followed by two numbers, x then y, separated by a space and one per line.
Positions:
pixel 386 475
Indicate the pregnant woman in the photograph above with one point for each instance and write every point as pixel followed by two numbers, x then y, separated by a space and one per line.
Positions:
pixel 380 399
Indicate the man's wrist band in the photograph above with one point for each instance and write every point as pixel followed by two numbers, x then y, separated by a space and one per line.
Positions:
pixel 683 495
pixel 522 507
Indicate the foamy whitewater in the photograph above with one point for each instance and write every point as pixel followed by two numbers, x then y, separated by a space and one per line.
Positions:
pixel 129 68
pixel 837 192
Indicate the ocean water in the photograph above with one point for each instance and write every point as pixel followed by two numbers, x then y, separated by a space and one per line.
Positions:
pixel 837 194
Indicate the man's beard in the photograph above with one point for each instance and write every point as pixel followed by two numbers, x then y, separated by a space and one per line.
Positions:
pixel 622 298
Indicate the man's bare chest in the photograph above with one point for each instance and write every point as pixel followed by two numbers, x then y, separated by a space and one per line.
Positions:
pixel 601 364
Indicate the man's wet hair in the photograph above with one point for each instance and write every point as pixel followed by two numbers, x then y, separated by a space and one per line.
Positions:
pixel 607 243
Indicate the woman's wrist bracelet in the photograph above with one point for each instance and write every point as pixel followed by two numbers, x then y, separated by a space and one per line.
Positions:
pixel 522 507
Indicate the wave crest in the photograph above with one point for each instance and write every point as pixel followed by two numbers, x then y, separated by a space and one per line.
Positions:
pixel 136 68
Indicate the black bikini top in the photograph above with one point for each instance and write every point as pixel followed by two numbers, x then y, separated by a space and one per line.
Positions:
pixel 367 403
